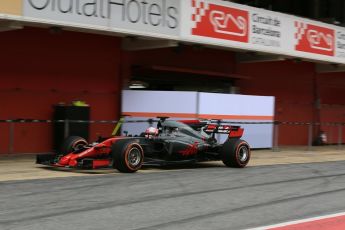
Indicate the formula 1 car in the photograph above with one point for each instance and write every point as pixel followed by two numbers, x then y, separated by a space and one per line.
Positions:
pixel 170 142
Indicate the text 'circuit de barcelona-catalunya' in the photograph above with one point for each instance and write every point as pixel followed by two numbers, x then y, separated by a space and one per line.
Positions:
pixel 170 142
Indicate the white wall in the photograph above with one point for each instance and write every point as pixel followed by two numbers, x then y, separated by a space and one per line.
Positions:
pixel 246 109
pixel 143 105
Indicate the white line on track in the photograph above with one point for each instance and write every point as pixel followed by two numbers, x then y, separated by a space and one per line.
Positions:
pixel 299 221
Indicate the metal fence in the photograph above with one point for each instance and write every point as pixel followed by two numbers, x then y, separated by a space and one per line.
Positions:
pixel 300 133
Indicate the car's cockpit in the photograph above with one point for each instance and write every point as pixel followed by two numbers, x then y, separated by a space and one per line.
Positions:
pixel 175 128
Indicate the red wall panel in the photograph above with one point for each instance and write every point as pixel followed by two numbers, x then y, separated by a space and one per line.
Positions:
pixel 292 85
pixel 296 86
pixel 40 69
pixel 332 93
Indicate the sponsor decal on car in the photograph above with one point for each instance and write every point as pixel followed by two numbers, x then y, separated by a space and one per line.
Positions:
pixel 314 39
pixel 216 21
pixel 190 150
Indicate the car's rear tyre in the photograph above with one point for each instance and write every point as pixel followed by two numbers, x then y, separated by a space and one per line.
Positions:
pixel 128 157
pixel 235 153
pixel 72 144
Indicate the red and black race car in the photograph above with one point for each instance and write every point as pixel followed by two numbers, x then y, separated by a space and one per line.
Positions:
pixel 170 142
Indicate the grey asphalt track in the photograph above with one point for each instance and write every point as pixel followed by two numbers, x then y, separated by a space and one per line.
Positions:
pixel 205 197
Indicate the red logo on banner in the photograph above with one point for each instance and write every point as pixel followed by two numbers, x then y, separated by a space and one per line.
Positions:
pixel 314 39
pixel 220 21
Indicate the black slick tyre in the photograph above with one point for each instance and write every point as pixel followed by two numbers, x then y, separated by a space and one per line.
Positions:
pixel 73 143
pixel 128 156
pixel 235 153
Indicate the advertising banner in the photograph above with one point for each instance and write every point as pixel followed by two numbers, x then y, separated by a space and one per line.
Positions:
pixel 147 16
pixel 207 22
pixel 216 21
pixel 314 39
pixel 270 31
pixel 232 25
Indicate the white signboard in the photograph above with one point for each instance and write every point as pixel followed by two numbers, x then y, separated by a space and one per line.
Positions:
pixel 154 16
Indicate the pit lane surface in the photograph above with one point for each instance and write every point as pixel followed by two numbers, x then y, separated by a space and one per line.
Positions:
pixel 204 197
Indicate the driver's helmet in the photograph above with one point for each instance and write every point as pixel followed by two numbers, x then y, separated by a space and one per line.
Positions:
pixel 173 131
pixel 151 132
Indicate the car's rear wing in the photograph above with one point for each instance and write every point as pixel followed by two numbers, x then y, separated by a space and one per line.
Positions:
pixel 232 131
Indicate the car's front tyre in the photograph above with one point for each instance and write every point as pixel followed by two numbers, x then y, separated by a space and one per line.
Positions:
pixel 128 157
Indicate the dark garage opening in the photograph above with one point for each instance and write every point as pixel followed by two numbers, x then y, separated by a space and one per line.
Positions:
pixel 167 78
